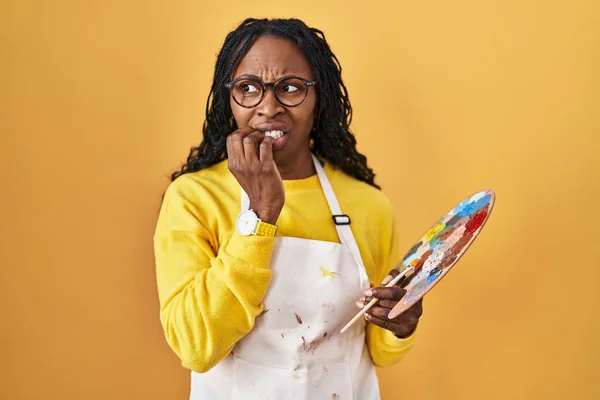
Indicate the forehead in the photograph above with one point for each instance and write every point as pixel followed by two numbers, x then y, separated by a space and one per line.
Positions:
pixel 272 57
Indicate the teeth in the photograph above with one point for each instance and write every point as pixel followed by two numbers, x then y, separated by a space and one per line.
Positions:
pixel 274 134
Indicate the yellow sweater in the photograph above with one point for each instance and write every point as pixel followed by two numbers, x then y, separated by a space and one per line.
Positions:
pixel 211 280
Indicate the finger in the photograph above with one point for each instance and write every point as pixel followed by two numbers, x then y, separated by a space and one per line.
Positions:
pixel 396 328
pixel 251 142
pixel 392 293
pixel 385 303
pixel 266 151
pixel 379 312
pixel 394 273
pixel 230 143
pixel 414 312
pixel 390 276
pixel 382 322
pixel 246 130
pixel 235 148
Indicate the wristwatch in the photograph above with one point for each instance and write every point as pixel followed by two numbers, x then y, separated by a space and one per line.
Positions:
pixel 248 224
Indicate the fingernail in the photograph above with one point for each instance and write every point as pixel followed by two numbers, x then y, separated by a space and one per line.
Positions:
pixel 387 280
pixel 362 299
pixel 359 304
pixel 369 293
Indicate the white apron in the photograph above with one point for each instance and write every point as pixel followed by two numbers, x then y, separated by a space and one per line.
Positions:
pixel 295 350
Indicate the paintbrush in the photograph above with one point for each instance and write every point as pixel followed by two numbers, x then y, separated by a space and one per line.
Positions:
pixel 372 302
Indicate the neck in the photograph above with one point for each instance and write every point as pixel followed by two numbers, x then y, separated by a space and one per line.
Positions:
pixel 298 167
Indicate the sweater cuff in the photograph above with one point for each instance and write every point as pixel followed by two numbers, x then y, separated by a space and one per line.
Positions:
pixel 254 250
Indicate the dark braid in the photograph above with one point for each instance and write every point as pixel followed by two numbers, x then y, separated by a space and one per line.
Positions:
pixel 332 138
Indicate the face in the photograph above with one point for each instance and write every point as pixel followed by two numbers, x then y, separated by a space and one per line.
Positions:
pixel 269 59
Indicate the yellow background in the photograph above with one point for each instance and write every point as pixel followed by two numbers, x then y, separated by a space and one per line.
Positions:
pixel 100 101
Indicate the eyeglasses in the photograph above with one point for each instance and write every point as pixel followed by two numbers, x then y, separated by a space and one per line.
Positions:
pixel 289 91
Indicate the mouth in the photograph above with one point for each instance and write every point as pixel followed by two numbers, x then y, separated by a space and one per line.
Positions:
pixel 274 134
pixel 273 130
pixel 276 130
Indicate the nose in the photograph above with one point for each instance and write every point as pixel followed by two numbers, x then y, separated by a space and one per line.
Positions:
pixel 269 107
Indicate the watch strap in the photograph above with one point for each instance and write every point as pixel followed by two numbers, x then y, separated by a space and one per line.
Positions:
pixel 266 229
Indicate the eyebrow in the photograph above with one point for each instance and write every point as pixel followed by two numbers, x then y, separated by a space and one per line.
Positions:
pixel 251 76
pixel 284 73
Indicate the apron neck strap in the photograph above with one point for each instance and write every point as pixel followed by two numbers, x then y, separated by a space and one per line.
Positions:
pixel 343 229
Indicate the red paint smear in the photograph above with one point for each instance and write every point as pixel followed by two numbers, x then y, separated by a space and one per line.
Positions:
pixel 447 260
pixel 460 245
pixel 475 222
pixel 457 248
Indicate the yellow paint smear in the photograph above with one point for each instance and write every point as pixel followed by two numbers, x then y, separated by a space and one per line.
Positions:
pixel 327 273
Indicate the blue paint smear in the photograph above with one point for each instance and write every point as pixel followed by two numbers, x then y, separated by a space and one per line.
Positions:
pixel 471 208
pixel 433 275
pixel 460 207
pixel 477 196
pixel 410 259
pixel 479 204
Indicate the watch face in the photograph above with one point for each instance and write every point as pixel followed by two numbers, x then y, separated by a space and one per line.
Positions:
pixel 246 222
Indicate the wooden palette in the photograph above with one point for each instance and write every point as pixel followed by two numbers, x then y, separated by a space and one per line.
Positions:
pixel 442 246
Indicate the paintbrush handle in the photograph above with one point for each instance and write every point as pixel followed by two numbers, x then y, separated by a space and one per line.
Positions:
pixel 374 300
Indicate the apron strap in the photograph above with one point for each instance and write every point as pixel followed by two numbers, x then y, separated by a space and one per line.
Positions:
pixel 342 221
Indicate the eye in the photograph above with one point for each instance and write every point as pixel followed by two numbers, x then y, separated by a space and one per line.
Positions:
pixel 248 88
pixel 289 88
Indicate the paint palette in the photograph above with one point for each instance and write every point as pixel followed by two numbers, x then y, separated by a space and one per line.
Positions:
pixel 442 246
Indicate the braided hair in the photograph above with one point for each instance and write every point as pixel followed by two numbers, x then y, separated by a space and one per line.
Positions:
pixel 331 136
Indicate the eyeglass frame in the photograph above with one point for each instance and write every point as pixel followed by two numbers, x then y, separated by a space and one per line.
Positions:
pixel 266 85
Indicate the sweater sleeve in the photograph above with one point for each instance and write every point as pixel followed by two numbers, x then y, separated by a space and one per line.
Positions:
pixel 208 301
pixel 385 348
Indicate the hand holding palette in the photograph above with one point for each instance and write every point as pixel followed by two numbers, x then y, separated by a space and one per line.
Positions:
pixel 428 261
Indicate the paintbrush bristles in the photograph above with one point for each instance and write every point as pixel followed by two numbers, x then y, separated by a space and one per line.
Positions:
pixel 372 302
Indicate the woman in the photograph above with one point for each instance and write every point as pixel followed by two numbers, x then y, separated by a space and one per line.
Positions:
pixel 274 228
